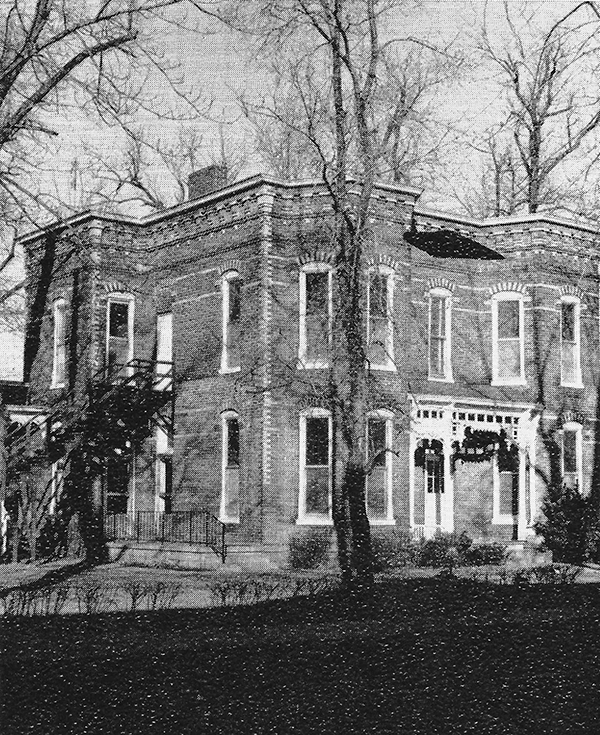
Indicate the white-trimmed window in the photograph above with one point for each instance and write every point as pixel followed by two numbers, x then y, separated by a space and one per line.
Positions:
pixel 379 463
pixel 59 360
pixel 380 326
pixel 231 289
pixel 230 487
pixel 163 471
pixel 316 312
pixel 570 366
pixel 440 361
pixel 506 486
pixel 508 342
pixel 164 351
pixel 571 455
pixel 314 504
pixel 119 331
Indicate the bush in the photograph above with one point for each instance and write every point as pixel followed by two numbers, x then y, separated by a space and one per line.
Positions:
pixel 309 549
pixel 568 525
pixel 444 550
pixel 393 550
pixel 488 553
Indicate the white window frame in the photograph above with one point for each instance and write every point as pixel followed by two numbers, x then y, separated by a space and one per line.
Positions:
pixel 57 471
pixel 59 305
pixel 577 429
pixel 496 299
pixel 121 298
pixel 227 416
pixel 504 519
pixel 303 361
pixel 226 280
pixel 303 517
pixel 577 330
pixel 163 450
pixel 388 417
pixel 441 293
pixel 164 351
pixel 388 274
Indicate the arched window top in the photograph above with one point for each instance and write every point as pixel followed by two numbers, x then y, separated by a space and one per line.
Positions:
pixel 513 288
pixel 231 275
pixel 440 292
pixel 381 268
pixel 229 413
pixel 316 266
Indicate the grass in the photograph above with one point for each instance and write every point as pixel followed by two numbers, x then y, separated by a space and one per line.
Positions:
pixel 417 656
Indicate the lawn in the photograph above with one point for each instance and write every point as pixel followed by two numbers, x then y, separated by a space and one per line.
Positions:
pixel 419 656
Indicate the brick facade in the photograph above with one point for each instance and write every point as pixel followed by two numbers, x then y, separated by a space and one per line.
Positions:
pixel 264 233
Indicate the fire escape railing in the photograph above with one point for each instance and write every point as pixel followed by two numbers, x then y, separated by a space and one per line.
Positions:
pixel 199 527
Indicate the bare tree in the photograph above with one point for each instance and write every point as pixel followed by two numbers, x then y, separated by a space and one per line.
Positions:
pixel 551 102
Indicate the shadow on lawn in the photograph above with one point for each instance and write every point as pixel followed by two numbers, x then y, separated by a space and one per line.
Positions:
pixel 416 656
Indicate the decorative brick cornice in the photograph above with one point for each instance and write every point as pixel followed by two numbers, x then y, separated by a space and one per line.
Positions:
pixel 512 286
pixel 441 283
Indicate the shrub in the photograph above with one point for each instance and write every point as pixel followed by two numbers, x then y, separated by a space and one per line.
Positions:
pixel 308 549
pixel 568 525
pixel 443 550
pixel 488 553
pixel 393 550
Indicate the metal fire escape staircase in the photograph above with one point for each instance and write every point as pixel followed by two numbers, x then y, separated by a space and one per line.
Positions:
pixel 137 392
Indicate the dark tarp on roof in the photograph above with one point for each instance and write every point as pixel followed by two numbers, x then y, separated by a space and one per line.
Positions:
pixel 450 244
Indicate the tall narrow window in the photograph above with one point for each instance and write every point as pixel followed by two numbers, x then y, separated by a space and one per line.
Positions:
pixel 315 466
pixel 570 371
pixel 163 471
pixel 56 484
pixel 506 485
pixel 59 362
pixel 117 479
pixel 315 315
pixel 379 461
pixel 440 366
pixel 429 483
pixel 508 346
pixel 232 310
pixel 119 332
pixel 571 456
pixel 230 505
pixel 164 351
pixel 380 328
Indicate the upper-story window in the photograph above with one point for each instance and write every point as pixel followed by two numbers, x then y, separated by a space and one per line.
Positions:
pixel 164 351
pixel 380 327
pixel 119 331
pixel 59 360
pixel 316 311
pixel 571 455
pixel 440 362
pixel 570 366
pixel 315 466
pixel 231 289
pixel 508 343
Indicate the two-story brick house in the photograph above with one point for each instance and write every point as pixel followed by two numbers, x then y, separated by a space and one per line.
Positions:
pixel 480 334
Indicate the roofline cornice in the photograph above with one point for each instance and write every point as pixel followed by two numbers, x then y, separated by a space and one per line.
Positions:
pixel 253 182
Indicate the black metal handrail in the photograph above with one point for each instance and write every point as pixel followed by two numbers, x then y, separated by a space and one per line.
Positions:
pixel 186 526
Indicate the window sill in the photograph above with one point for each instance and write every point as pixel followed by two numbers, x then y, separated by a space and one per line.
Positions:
pixel 503 521
pixel 383 368
pixel 229 370
pixel 314 521
pixel 58 386
pixel 509 383
pixel 578 386
pixel 320 365
pixel 383 522
pixel 441 380
pixel 229 521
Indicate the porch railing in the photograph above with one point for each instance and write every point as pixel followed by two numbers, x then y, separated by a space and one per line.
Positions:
pixel 189 527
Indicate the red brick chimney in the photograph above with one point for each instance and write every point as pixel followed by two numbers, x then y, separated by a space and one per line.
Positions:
pixel 206 180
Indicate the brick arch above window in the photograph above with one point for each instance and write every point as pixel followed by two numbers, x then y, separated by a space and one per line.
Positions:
pixel 119 287
pixel 570 290
pixel 510 286
pixel 229 265
pixel 378 260
pixel 571 418
pixel 442 283
pixel 316 256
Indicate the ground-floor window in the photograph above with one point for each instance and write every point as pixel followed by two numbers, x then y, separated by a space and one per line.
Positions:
pixel 315 466
pixel 230 486
pixel 429 482
pixel 571 455
pixel 506 485
pixel 116 485
pixel 379 464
